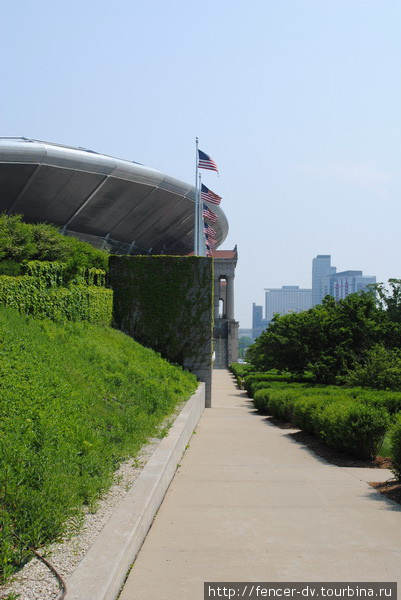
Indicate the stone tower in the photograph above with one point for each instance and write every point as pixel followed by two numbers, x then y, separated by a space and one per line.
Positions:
pixel 225 332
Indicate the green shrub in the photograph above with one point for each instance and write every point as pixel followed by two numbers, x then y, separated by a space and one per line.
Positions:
pixel 240 370
pixel 307 412
pixel 281 404
pixel 354 427
pixel 391 401
pixel 380 370
pixel 31 295
pixel 326 339
pixel 21 242
pixel 52 274
pixel 252 380
pixel 261 400
pixel 10 267
pixel 45 274
pixel 278 402
pixel 76 399
pixel 264 385
pixel 332 414
pixel 395 436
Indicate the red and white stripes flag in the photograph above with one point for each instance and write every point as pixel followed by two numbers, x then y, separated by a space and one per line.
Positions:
pixel 205 162
pixel 209 196
pixel 209 214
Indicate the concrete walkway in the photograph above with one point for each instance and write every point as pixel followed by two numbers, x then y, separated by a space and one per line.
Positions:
pixel 250 504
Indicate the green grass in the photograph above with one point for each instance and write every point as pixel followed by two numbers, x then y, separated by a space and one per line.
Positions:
pixel 75 400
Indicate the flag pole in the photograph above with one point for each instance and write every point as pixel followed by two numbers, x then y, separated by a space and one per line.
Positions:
pixel 202 247
pixel 196 214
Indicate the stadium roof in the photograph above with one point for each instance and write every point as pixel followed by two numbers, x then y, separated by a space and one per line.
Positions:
pixel 104 200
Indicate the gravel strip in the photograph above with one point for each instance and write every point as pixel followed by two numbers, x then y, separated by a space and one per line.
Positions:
pixel 35 581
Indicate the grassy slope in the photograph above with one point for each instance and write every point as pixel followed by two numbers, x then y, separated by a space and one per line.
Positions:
pixel 75 399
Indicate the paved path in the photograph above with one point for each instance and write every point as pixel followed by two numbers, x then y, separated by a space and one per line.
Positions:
pixel 250 504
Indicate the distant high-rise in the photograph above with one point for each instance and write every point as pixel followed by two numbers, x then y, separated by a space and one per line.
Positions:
pixel 289 298
pixel 340 285
pixel 259 324
pixel 321 269
pixel 326 281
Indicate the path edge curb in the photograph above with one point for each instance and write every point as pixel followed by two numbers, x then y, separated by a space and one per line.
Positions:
pixel 103 570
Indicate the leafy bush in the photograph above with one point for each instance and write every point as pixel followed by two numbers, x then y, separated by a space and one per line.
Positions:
pixel 332 414
pixel 278 402
pixel 380 370
pixel 240 370
pixel 252 380
pixel 21 242
pixel 29 295
pixel 354 427
pixel 391 401
pixel 395 436
pixel 327 339
pixel 51 274
pixel 308 410
pixel 264 385
pixel 10 267
pixel 76 399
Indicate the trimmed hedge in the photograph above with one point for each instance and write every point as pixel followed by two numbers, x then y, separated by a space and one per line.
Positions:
pixel 339 420
pixel 253 379
pixel 353 427
pixel 391 401
pixel 240 370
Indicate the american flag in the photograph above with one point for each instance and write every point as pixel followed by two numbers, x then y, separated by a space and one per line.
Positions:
pixel 209 214
pixel 208 229
pixel 210 241
pixel 210 238
pixel 205 162
pixel 208 250
pixel 209 196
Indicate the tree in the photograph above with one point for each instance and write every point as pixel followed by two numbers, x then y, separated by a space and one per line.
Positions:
pixel 389 300
pixel 327 339
pixel 243 343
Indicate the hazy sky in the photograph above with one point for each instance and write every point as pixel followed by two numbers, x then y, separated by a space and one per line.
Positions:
pixel 298 102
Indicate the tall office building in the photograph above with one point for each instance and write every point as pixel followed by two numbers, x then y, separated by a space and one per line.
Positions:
pixel 321 270
pixel 289 298
pixel 259 324
pixel 326 281
pixel 340 285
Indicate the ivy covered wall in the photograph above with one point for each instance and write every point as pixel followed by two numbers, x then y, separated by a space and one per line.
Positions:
pixel 47 289
pixel 166 303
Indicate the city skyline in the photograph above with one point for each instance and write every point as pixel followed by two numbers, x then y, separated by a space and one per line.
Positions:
pixel 325 280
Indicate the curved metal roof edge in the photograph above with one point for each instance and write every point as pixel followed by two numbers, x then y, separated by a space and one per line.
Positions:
pixel 28 150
